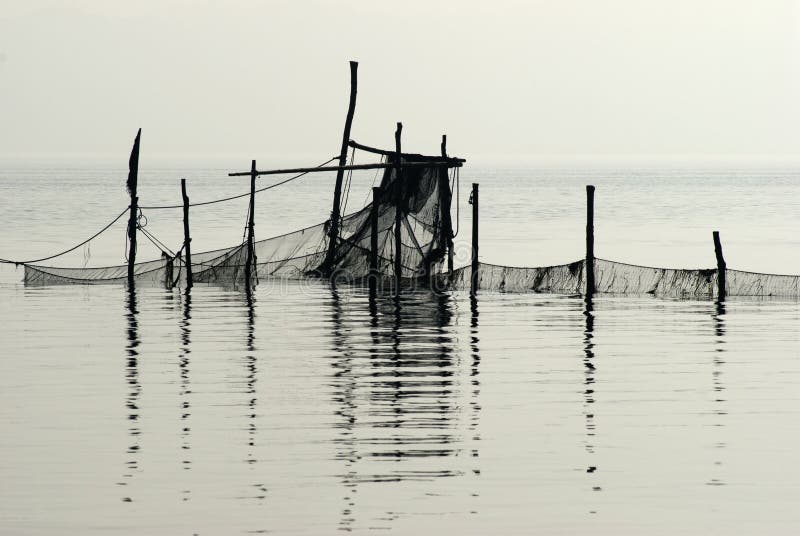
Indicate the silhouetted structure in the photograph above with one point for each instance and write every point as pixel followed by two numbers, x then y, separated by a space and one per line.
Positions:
pixel 413 207
pixel 251 255
pixel 337 192
pixel 594 275
pixel 132 379
pixel 590 287
pixel 187 239
pixel 132 185
pixel 473 286
pixel 721 267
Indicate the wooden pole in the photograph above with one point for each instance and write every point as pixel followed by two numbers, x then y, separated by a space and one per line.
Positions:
pixel 337 192
pixel 473 286
pixel 133 179
pixel 373 243
pixel 399 208
pixel 187 240
pixel 250 228
pixel 590 286
pixel 721 267
pixel 447 209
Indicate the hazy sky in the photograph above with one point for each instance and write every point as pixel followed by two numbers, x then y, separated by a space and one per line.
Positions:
pixel 236 80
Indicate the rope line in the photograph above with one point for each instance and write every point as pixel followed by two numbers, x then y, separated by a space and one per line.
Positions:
pixel 98 233
pixel 457 181
pixel 156 242
pixel 141 219
pixel 349 181
pixel 101 231
pixel 159 207
pixel 369 192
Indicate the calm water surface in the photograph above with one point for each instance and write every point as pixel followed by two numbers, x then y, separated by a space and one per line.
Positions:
pixel 309 409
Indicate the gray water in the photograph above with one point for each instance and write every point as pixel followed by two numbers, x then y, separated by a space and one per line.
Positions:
pixel 310 409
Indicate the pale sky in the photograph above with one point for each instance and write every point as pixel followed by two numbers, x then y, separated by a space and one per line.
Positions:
pixel 236 80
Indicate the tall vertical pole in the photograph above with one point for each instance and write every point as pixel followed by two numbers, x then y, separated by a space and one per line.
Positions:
pixel 133 179
pixel 473 286
pixel 373 242
pixel 590 287
pixel 187 240
pixel 250 228
pixel 399 208
pixel 337 192
pixel 446 210
pixel 721 267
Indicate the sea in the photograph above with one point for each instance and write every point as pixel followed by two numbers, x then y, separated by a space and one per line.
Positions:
pixel 311 409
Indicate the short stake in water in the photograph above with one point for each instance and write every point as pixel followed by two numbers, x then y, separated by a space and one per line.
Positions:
pixel 590 287
pixel 250 228
pixel 473 286
pixel 187 240
pixel 446 203
pixel 398 210
pixel 721 267
pixel 133 179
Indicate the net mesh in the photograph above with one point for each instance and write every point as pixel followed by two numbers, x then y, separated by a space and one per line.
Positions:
pixel 421 196
pixel 620 278
pixel 739 283
pixel 559 279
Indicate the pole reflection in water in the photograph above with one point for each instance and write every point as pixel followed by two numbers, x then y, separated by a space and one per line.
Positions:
pixel 251 379
pixel 344 392
pixel 250 365
pixel 476 385
pixel 589 388
pixel 185 384
pixel 135 389
pixel 414 388
pixel 719 412
pixel 401 412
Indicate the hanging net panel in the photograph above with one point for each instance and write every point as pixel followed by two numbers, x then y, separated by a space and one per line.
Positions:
pixel 421 198
pixel 559 279
pixel 739 283
pixel 414 208
pixel 620 278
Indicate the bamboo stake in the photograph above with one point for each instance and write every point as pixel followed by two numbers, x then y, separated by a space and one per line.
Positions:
pixel 446 204
pixel 473 286
pixel 337 192
pixel 250 228
pixel 187 240
pixel 590 285
pixel 721 267
pixel 133 179
pixel 399 209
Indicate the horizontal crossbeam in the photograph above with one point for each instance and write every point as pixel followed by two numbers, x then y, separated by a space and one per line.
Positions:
pixel 438 163
pixel 408 156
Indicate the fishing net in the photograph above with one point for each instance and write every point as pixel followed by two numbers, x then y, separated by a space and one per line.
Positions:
pixel 421 196
pixel 560 279
pixel 738 283
pixel 620 278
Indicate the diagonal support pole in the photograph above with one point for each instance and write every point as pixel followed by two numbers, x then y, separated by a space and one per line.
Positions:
pixel 337 193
